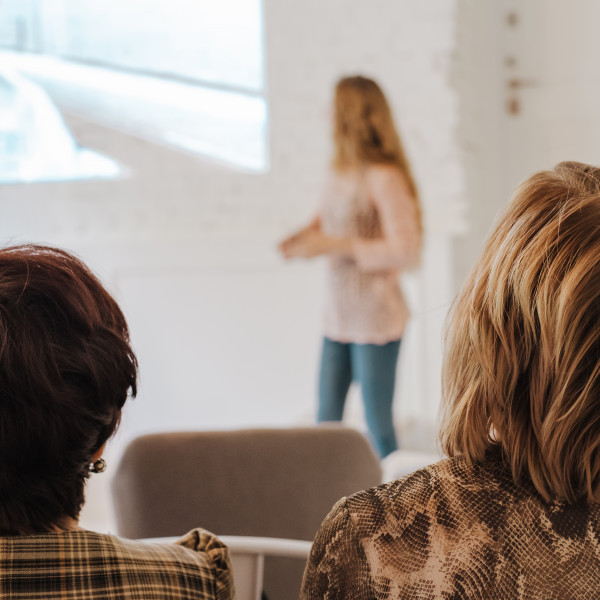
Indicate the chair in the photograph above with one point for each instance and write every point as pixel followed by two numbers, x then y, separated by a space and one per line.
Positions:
pixel 276 483
pixel 248 557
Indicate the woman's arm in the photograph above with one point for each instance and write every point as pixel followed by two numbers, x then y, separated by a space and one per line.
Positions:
pixel 315 243
pixel 399 248
pixel 286 245
pixel 337 567
pixel 400 245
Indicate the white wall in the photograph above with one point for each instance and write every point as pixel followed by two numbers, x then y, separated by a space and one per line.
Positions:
pixel 228 335
pixel 476 74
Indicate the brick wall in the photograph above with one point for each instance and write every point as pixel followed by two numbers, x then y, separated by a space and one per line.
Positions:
pixel 173 219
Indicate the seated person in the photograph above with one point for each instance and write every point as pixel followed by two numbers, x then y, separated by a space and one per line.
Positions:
pixel 514 512
pixel 66 368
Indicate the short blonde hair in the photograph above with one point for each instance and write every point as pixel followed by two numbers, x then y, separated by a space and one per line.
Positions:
pixel 522 352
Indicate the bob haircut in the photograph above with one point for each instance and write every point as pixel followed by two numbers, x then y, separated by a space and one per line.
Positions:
pixel 522 360
pixel 66 368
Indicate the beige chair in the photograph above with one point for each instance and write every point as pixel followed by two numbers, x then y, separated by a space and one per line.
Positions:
pixel 277 483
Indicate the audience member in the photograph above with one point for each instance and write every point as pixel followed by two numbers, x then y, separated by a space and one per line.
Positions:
pixel 66 368
pixel 514 512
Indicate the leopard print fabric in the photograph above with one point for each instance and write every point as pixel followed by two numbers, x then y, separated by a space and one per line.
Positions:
pixel 455 532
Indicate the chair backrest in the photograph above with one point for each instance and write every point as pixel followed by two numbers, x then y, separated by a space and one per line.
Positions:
pixel 264 482
pixel 248 559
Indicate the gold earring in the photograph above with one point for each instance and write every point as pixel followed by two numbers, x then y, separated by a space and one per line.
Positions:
pixel 98 466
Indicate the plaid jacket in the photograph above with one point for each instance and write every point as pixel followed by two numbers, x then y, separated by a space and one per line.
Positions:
pixel 92 566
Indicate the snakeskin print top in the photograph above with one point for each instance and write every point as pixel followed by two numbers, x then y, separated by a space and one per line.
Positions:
pixel 455 532
pixel 374 208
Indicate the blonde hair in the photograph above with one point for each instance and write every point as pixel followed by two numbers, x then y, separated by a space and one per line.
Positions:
pixel 364 131
pixel 522 360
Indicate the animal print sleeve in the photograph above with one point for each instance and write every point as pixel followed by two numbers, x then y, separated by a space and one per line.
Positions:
pixel 337 567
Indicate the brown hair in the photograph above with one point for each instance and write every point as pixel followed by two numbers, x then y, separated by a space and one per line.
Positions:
pixel 364 131
pixel 522 360
pixel 66 368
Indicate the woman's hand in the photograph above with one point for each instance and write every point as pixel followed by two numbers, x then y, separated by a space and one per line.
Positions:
pixel 309 244
pixel 305 245
pixel 286 245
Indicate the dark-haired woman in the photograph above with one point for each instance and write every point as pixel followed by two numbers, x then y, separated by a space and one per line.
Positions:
pixel 66 369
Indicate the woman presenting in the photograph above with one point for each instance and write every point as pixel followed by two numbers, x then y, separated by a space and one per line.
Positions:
pixel 369 225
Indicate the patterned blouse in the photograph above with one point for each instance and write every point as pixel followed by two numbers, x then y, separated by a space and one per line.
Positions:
pixel 455 532
pixel 81 564
pixel 365 304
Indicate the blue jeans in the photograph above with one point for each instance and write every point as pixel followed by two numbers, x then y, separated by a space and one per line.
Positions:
pixel 374 367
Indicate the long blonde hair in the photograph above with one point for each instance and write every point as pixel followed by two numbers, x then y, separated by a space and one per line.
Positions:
pixel 521 369
pixel 363 129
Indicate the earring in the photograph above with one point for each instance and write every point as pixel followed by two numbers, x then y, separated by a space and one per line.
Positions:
pixel 98 466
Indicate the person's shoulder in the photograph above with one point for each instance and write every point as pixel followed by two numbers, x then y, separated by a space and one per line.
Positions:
pixel 196 546
pixel 195 567
pixel 403 492
pixel 421 491
pixel 199 553
pixel 382 176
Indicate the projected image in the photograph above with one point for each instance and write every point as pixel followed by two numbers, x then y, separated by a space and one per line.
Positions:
pixel 188 74
pixel 35 143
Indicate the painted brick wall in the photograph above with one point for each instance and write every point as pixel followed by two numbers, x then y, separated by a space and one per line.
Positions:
pixel 173 219
pixel 476 75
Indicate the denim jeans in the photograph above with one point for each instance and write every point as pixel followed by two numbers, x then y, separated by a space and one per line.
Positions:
pixel 374 368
